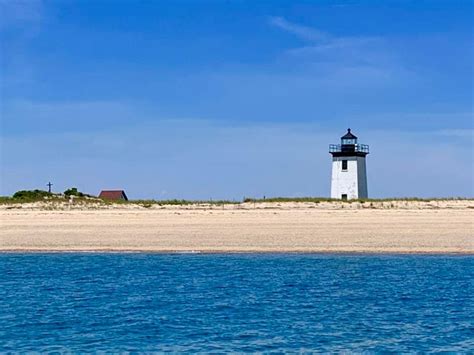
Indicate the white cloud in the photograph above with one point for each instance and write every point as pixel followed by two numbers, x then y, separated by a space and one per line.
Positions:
pixel 322 41
pixel 303 32
pixel 338 50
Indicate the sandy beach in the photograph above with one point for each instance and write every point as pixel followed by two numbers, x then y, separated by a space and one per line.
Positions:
pixel 440 227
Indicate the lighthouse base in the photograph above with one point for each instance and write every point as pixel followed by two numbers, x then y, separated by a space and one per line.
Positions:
pixel 349 178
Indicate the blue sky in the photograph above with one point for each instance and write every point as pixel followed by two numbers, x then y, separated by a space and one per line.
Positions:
pixel 226 99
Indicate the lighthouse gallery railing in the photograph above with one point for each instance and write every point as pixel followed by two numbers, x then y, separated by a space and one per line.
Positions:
pixel 339 148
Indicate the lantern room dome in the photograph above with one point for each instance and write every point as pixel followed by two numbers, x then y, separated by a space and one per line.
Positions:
pixel 348 135
pixel 348 138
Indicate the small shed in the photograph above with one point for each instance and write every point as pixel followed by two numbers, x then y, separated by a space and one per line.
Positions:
pixel 113 195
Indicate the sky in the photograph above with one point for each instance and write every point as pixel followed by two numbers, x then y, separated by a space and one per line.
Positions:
pixel 229 99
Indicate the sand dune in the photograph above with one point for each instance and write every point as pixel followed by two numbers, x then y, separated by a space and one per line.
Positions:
pixel 441 227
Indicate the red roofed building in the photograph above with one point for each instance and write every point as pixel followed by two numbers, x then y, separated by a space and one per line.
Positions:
pixel 113 195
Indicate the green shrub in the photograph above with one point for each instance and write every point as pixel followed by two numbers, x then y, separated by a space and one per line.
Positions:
pixel 31 195
pixel 73 192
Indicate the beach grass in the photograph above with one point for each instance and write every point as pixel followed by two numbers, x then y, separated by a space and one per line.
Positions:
pixel 327 199
pixel 88 199
pixel 62 198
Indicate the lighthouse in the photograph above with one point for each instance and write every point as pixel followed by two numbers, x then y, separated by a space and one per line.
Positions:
pixel 349 174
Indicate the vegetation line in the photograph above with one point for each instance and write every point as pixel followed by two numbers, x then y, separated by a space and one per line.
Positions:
pixel 73 195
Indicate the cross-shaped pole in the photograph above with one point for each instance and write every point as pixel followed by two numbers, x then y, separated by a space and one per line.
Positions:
pixel 49 186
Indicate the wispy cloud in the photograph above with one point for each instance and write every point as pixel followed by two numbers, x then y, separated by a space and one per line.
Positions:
pixel 326 46
pixel 303 32
pixel 204 159
pixel 22 21
pixel 457 133
pixel 320 39
pixel 17 13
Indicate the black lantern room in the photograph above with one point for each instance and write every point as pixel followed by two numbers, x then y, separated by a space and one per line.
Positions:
pixel 349 146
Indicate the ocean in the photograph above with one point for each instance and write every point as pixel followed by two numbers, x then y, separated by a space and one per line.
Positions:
pixel 84 302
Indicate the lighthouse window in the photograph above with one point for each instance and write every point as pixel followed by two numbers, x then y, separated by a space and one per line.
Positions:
pixel 348 141
pixel 344 165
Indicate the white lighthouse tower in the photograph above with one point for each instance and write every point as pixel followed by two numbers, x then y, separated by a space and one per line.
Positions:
pixel 349 175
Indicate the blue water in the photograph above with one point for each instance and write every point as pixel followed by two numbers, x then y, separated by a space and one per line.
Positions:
pixel 153 302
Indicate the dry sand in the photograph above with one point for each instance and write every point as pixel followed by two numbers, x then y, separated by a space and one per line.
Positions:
pixel 398 227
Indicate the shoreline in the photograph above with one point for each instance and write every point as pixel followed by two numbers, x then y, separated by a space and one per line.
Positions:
pixel 235 252
pixel 267 228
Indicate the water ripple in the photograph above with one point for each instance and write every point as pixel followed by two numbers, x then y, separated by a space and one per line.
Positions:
pixel 235 303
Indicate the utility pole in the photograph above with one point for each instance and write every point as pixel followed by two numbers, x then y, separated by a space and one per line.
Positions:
pixel 49 186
